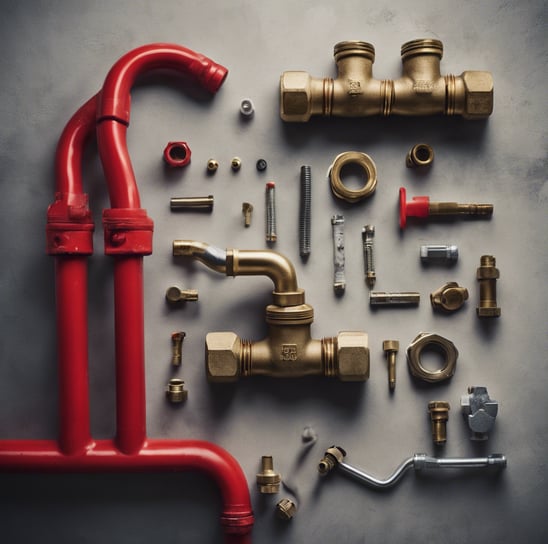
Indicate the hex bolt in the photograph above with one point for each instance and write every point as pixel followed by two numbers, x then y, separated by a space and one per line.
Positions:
pixel 439 414
pixel 176 392
pixel 212 166
pixel 368 233
pixel 175 295
pixel 247 210
pixel 177 339
pixel 390 348
pixel 271 234
pixel 268 481
pixel 305 210
pixel 286 509
pixel 421 206
pixel 487 275
pixel 236 164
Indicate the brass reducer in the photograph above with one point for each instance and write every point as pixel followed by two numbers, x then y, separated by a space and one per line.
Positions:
pixel 268 480
pixel 421 90
pixel 439 414
pixel 487 275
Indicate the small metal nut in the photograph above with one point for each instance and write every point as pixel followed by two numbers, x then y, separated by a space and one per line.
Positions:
pixel 235 164
pixel 247 109
pixel 261 165
pixel 212 165
pixel 426 340
pixel 352 356
pixel 419 156
pixel 366 163
pixel 286 509
pixel 176 392
pixel 449 297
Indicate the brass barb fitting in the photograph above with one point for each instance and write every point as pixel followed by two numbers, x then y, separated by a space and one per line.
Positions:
pixel 488 275
pixel 421 90
pixel 177 347
pixel 421 206
pixel 439 414
pixel 288 351
pixel 390 348
pixel 331 459
pixel 176 392
pixel 268 481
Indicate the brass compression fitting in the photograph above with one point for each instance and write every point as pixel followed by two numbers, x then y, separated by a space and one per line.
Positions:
pixel 421 90
pixel 288 350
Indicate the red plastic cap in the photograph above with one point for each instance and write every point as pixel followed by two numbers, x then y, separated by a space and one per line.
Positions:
pixel 177 154
pixel 419 206
pixel 271 185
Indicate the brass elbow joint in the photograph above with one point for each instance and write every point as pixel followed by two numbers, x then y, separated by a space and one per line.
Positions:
pixel 421 90
pixel 288 351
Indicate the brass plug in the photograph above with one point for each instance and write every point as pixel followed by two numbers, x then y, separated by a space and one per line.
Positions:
pixel 175 391
pixel 268 481
pixel 390 348
pixel 439 414
pixel 286 509
pixel 175 295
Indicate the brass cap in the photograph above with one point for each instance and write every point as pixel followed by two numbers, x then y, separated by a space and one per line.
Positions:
pixel 478 94
pixel 390 345
pixel 295 96
pixel 353 356
pixel 222 356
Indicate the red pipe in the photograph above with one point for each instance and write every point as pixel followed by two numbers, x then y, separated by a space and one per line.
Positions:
pixel 128 236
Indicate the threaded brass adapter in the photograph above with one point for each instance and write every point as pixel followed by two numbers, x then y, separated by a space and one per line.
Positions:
pixel 268 481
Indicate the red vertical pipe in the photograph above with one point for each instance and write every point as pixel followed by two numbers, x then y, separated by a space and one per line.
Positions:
pixel 130 353
pixel 71 292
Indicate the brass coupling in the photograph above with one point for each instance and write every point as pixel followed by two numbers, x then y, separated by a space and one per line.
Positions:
pixel 487 275
pixel 421 90
pixel 365 163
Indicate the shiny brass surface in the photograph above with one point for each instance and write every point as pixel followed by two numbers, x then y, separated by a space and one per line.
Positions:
pixel 427 340
pixel 331 459
pixel 449 297
pixel 247 210
pixel 288 350
pixel 177 347
pixel 455 208
pixel 439 414
pixel 176 392
pixel 212 165
pixel 421 90
pixel 390 348
pixel 487 275
pixel 176 295
pixel 268 480
pixel 236 163
pixel 191 203
pixel 286 509
pixel 419 156
pixel 365 162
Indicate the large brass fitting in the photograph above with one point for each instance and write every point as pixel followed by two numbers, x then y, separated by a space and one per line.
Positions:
pixel 288 351
pixel 421 90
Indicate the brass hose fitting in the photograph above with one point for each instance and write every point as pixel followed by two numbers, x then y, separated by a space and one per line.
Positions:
pixel 268 480
pixel 420 156
pixel 288 350
pixel 439 414
pixel 330 460
pixel 421 90
pixel 176 392
pixel 487 275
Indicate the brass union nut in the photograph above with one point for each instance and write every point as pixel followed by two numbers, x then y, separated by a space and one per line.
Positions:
pixel 295 96
pixel 478 94
pixel 353 356
pixel 222 356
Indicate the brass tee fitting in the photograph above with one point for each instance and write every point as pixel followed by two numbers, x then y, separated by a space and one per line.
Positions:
pixel 288 351
pixel 421 90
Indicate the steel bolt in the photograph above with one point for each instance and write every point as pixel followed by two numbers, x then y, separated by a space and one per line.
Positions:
pixel 175 391
pixel 177 347
pixel 439 253
pixel 439 414
pixel 390 348
pixel 305 210
pixel 246 107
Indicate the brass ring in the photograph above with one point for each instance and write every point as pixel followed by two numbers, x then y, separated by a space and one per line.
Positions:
pixel 428 340
pixel 368 166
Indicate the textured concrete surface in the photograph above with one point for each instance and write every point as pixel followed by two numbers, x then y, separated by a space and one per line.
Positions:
pixel 55 55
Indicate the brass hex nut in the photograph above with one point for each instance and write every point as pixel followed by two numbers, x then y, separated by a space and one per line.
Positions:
pixel 295 96
pixel 478 94
pixel 352 356
pixel 222 356
pixel 431 340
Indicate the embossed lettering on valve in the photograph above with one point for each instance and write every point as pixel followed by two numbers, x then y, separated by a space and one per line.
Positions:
pixel 289 352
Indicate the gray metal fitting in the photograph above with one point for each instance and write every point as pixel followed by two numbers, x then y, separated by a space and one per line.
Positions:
pixel 380 298
pixel 480 411
pixel 437 253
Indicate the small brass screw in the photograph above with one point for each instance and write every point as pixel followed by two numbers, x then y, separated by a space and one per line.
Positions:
pixel 390 348
pixel 439 414
pixel 236 164
pixel 177 347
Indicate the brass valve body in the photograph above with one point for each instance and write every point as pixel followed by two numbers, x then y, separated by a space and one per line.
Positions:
pixel 421 90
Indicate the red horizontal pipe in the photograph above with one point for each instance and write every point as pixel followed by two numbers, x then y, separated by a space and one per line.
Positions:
pixel 157 456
